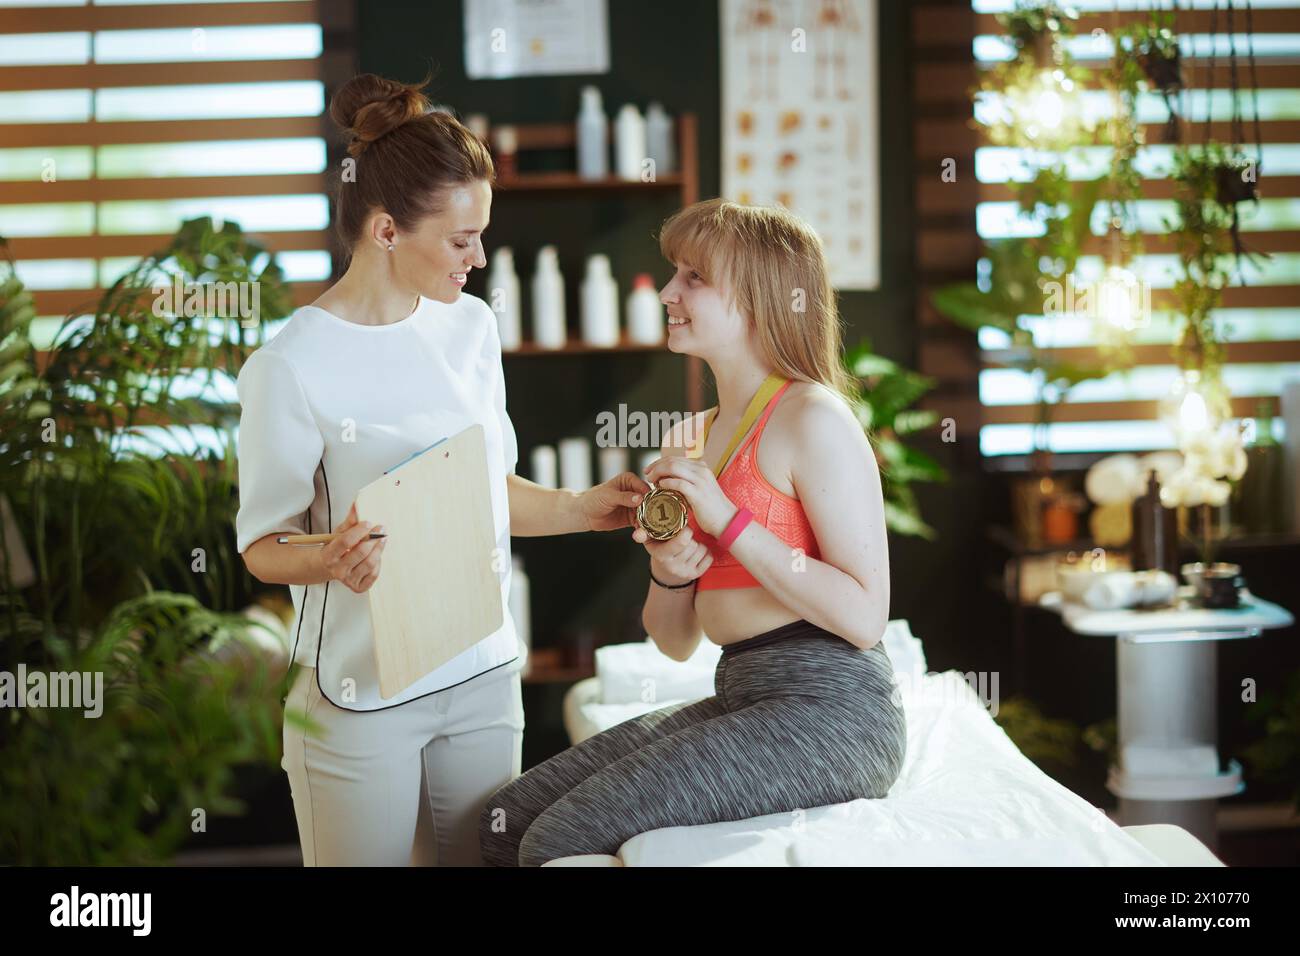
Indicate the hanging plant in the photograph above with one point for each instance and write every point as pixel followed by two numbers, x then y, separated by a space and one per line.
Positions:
pixel 1032 103
pixel 1029 23
pixel 1153 47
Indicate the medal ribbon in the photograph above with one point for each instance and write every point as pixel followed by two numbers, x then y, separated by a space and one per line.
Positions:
pixel 771 385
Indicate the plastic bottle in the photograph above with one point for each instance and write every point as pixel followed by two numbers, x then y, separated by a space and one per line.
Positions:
pixel 548 300
pixel 660 138
pixel 612 462
pixel 521 610
pixel 544 464
pixel 645 313
pixel 575 463
pixel 593 136
pixel 599 303
pixel 506 140
pixel 503 296
pixel 629 142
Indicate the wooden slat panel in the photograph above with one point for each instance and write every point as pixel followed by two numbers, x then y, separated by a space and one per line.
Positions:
pixel 965 410
pixel 1236 297
pixel 1196 74
pixel 67 301
pixel 944 83
pixel 939 248
pixel 1280 187
pixel 930 319
pixel 938 83
pixel 94 247
pixel 941 243
pixel 155 16
pixel 942 26
pixel 937 137
pixel 185 187
pixel 935 197
pixel 1153 243
pixel 951 360
pixel 1242 407
pixel 1188 21
pixel 1286 240
pixel 158 131
pixel 104 75
pixel 1244 352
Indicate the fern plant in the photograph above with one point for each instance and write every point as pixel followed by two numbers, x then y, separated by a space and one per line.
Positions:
pixel 134 575
pixel 886 393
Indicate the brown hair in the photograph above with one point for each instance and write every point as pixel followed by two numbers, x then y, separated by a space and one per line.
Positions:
pixel 774 265
pixel 406 152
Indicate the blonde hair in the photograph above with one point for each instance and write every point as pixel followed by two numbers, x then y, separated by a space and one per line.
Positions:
pixel 772 262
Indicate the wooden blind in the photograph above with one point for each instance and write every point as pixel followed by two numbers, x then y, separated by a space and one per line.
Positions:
pixel 120 120
pixel 952 41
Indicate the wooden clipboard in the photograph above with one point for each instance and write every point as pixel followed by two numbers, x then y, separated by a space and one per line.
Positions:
pixel 437 593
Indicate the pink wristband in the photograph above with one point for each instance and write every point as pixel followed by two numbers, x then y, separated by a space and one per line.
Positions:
pixel 743 517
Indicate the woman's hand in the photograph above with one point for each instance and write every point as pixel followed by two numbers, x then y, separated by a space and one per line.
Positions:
pixel 679 559
pixel 353 557
pixel 612 505
pixel 695 481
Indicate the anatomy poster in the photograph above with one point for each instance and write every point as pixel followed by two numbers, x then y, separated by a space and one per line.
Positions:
pixel 800 121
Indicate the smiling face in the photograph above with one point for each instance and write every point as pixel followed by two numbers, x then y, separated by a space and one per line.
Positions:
pixel 436 257
pixel 701 319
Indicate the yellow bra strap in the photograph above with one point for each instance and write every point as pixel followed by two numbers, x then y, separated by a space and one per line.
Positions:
pixel 771 385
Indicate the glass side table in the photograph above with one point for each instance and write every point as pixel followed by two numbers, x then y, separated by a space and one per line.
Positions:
pixel 1166 667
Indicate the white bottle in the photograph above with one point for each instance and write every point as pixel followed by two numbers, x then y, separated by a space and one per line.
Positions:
pixel 646 459
pixel 521 610
pixel 612 462
pixel 593 136
pixel 660 140
pixel 543 466
pixel 629 142
pixel 645 313
pixel 599 303
pixel 575 463
pixel 548 300
pixel 503 296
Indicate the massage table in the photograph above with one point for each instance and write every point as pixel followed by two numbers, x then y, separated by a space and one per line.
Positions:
pixel 966 796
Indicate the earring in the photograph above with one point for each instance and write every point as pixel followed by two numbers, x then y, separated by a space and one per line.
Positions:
pixel 390 247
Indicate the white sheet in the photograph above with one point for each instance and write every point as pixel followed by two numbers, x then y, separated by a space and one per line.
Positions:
pixel 965 797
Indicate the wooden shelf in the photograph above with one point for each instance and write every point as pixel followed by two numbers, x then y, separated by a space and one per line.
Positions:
pixel 685 184
pixel 572 182
pixel 546 665
pixel 578 347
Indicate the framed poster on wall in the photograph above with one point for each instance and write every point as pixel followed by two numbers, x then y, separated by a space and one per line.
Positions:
pixel 800 121
pixel 508 38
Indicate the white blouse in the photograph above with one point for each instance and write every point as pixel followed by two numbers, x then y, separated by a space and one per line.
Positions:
pixel 326 407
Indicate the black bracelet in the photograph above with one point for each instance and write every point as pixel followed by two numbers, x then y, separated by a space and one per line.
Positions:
pixel 671 587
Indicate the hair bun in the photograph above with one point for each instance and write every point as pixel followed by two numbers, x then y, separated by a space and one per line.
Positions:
pixel 369 106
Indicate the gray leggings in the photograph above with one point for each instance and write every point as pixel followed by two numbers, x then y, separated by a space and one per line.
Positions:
pixel 801 718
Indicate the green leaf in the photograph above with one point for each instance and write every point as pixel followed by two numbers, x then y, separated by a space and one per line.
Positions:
pixel 970 308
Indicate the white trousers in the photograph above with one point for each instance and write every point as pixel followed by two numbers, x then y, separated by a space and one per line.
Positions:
pixel 405 785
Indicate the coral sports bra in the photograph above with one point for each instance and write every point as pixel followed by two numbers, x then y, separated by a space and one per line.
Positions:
pixel 744 484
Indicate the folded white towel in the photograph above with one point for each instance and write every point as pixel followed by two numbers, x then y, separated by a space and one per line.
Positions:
pixel 640 673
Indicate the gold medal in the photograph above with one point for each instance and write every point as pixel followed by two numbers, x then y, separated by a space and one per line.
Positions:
pixel 662 513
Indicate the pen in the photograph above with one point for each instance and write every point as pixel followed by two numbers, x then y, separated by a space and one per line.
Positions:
pixel 318 538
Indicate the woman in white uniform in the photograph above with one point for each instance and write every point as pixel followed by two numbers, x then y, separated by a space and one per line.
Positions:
pixel 387 361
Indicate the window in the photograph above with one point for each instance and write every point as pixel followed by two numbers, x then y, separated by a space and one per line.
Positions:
pixel 1119 412
pixel 119 120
